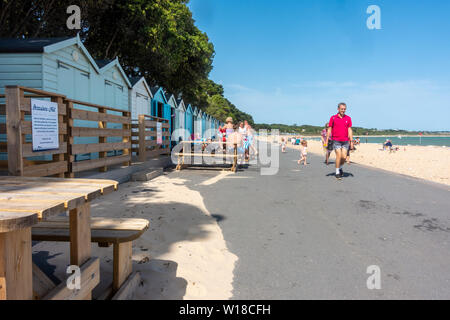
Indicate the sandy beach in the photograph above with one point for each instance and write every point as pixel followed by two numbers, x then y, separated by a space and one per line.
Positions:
pixel 431 163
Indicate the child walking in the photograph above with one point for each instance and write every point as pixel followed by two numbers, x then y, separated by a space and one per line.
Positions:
pixel 303 152
pixel 283 145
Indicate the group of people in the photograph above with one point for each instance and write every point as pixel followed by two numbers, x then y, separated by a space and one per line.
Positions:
pixel 241 135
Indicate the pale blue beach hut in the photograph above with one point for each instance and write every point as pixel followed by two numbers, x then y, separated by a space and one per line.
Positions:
pixel 197 122
pixel 64 66
pixel 140 97
pixel 189 121
pixel 180 119
pixel 204 124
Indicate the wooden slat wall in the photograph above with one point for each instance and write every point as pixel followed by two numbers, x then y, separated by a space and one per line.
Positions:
pixel 144 139
pixel 61 162
pixel 103 116
pixel 18 104
pixel 139 137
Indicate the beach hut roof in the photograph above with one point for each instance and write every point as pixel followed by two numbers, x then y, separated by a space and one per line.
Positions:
pixel 181 104
pixel 28 45
pixel 135 81
pixel 155 90
pixel 44 45
pixel 105 65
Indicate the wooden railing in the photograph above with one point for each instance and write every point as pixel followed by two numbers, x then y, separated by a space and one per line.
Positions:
pixel 18 131
pixel 145 142
pixel 3 144
pixel 108 131
pixel 120 131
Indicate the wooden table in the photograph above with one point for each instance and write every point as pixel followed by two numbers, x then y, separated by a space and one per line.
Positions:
pixel 23 202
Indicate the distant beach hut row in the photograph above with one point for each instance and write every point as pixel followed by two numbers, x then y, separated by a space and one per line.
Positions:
pixel 64 66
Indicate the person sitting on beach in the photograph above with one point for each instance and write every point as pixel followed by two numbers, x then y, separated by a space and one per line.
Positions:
pixel 387 144
pixel 303 152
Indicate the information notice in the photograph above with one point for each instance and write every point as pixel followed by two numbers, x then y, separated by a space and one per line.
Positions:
pixel 159 133
pixel 44 123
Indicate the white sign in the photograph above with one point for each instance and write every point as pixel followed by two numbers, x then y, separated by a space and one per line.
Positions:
pixel 44 122
pixel 159 133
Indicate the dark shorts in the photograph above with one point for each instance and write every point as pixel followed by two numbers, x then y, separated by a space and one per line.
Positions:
pixel 341 145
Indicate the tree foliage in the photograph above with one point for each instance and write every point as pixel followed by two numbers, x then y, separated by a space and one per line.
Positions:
pixel 157 39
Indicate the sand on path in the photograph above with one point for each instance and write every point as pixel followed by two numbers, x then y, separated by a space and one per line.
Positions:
pixel 183 255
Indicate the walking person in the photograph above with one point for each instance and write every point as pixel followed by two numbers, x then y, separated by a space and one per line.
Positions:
pixel 283 145
pixel 303 152
pixel 327 148
pixel 341 133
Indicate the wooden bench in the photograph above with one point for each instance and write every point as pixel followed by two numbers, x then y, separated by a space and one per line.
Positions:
pixel 104 231
pixel 218 154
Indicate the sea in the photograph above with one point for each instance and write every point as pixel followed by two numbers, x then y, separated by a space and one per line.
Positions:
pixel 412 141
pixel 408 140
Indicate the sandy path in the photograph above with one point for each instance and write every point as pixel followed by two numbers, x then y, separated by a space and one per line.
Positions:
pixel 183 255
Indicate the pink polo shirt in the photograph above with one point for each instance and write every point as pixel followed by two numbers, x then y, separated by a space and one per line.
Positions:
pixel 339 131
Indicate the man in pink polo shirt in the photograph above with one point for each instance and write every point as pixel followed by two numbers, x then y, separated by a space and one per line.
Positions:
pixel 341 134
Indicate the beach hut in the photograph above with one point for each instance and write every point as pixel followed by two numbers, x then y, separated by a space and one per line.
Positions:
pixel 180 118
pixel 197 122
pixel 160 106
pixel 213 127
pixel 189 121
pixel 172 102
pixel 64 66
pixel 140 97
pixel 204 124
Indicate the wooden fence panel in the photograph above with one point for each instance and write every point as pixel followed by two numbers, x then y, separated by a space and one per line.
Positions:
pixel 103 116
pixel 144 143
pixel 18 126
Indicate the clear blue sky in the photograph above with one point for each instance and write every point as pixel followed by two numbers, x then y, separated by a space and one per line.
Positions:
pixel 292 61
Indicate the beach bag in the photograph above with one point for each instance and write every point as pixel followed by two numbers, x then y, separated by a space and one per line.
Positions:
pixel 330 145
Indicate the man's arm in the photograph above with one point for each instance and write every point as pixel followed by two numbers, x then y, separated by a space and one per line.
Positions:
pixel 350 135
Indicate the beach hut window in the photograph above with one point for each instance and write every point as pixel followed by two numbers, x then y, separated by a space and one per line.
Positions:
pixel 60 65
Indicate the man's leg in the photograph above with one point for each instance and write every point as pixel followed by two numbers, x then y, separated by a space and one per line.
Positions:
pixel 338 158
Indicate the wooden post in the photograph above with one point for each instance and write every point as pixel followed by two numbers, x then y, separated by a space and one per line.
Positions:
pixel 16 265
pixel 70 140
pixel 102 125
pixel 234 167
pixel 127 126
pixel 122 263
pixel 142 141
pixel 14 119
pixel 80 236
pixel 60 156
